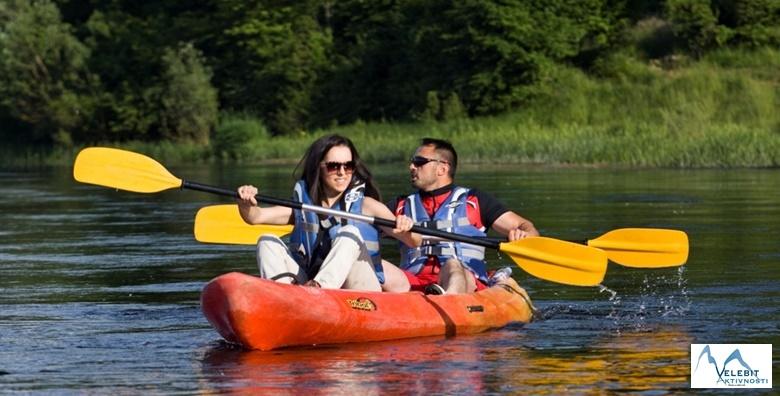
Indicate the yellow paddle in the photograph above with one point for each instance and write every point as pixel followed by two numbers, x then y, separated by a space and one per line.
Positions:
pixel 223 224
pixel 644 247
pixel 630 247
pixel 545 258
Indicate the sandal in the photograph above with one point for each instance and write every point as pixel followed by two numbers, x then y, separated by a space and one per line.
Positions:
pixel 312 283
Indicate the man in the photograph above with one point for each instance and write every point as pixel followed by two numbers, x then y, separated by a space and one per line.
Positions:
pixel 440 266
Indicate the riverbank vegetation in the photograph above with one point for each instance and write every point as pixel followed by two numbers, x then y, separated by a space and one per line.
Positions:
pixel 676 83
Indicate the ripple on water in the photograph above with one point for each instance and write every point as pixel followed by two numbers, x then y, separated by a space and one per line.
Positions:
pixel 100 292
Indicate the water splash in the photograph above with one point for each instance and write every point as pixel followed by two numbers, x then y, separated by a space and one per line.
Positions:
pixel 656 296
pixel 613 294
pixel 670 292
pixel 614 312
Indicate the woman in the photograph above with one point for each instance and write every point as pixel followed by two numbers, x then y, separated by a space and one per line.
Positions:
pixel 328 252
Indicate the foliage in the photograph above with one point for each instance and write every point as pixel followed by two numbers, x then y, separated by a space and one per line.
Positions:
pixel 704 25
pixel 82 71
pixel 235 133
pixel 276 55
pixel 44 78
pixel 696 25
pixel 189 102
pixel 490 55
pixel 128 51
pixel 654 38
pixel 442 109
pixel 755 23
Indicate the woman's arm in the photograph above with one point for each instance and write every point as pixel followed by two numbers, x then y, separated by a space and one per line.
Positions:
pixel 374 208
pixel 253 214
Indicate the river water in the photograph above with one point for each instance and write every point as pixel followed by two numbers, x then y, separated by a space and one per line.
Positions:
pixel 99 290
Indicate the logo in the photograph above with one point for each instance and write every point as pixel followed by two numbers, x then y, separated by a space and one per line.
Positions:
pixel 453 204
pixel 352 196
pixel 731 365
pixel 361 303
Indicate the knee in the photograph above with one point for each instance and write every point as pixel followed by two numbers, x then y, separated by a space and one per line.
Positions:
pixel 268 238
pixel 269 243
pixel 349 229
pixel 452 265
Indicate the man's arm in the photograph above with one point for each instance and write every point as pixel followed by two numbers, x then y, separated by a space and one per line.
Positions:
pixel 495 215
pixel 514 226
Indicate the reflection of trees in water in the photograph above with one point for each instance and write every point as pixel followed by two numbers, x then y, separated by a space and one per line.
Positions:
pixel 501 361
pixel 424 365
pixel 638 361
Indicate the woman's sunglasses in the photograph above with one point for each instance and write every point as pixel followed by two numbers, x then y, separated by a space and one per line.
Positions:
pixel 334 166
pixel 418 161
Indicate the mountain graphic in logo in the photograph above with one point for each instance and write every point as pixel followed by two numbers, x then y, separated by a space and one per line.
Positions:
pixel 735 355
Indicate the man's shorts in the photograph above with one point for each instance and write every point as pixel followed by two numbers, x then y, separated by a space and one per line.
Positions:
pixel 430 274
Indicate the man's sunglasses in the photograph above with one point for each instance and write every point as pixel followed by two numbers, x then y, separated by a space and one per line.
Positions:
pixel 418 161
pixel 333 166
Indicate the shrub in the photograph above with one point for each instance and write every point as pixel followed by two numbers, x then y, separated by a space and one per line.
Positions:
pixel 44 79
pixel 189 101
pixel 695 24
pixel 233 136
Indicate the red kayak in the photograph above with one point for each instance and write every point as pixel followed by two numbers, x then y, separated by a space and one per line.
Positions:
pixel 261 314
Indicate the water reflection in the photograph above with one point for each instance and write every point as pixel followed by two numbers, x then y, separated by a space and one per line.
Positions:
pixel 492 362
pixel 626 362
pixel 100 290
pixel 425 365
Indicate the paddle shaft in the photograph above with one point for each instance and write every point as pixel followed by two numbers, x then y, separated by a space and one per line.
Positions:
pixel 499 240
pixel 545 258
pixel 495 244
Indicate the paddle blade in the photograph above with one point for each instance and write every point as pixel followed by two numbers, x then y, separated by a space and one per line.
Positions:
pixel 558 261
pixel 644 247
pixel 124 170
pixel 223 224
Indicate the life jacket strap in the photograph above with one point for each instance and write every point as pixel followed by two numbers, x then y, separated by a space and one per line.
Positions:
pixel 294 277
pixel 444 224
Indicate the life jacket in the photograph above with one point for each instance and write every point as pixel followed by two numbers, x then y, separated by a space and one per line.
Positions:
pixel 451 217
pixel 310 231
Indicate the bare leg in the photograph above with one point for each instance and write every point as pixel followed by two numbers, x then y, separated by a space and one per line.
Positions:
pixel 362 275
pixel 456 279
pixel 395 280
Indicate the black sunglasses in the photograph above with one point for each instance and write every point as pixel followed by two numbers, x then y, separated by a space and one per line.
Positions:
pixel 334 166
pixel 418 161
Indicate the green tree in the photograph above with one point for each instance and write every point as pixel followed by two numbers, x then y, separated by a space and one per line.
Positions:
pixel 493 54
pixel 127 52
pixel 696 25
pixel 148 90
pixel 374 73
pixel 490 55
pixel 270 57
pixel 189 102
pixel 755 22
pixel 44 78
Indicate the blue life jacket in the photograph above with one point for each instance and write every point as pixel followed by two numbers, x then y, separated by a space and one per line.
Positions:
pixel 450 217
pixel 303 240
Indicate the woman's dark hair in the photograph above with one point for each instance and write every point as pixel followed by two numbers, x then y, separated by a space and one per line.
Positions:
pixel 311 171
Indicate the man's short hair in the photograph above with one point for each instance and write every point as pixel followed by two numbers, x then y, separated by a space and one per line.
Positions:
pixel 445 150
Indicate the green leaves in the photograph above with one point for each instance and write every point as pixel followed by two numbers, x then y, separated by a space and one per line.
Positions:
pixel 696 25
pixel 43 72
pixel 152 70
pixel 189 102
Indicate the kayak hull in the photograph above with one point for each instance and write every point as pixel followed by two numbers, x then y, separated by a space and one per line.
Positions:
pixel 261 314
